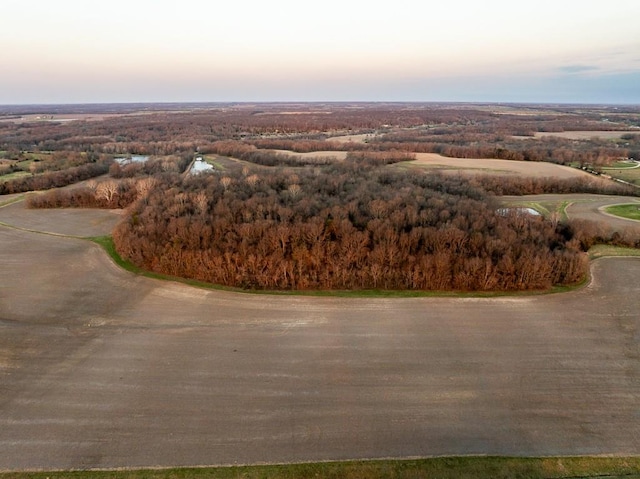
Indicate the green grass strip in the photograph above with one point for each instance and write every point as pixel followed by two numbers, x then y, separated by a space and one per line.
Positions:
pixel 601 251
pixel 11 201
pixel 107 243
pixel 621 165
pixel 441 468
pixel 631 212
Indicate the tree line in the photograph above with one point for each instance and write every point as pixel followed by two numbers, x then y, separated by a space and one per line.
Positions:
pixel 54 179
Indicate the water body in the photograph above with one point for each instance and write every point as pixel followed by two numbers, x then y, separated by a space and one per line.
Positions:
pixel 200 166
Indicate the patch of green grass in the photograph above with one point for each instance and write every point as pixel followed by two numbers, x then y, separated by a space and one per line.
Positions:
pixel 107 243
pixel 630 211
pixel 441 468
pixel 14 175
pixel 215 162
pixel 621 165
pixel 562 209
pixel 601 250
pixel 632 175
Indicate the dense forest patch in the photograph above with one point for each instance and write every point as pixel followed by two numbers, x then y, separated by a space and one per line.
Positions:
pixel 348 226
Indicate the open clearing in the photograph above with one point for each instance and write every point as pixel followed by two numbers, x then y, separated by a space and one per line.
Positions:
pixel 362 138
pixel 101 368
pixel 632 175
pixel 338 155
pixel 492 166
pixel 579 206
pixel 625 211
pixel 587 135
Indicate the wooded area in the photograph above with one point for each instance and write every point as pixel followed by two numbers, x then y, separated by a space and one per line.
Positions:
pixel 270 220
pixel 351 227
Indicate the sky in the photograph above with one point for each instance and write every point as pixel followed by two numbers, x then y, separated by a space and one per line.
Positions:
pixel 560 51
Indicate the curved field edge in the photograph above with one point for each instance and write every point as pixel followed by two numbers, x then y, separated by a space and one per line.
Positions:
pixel 440 467
pixel 10 201
pixel 627 211
pixel 108 245
pixel 603 251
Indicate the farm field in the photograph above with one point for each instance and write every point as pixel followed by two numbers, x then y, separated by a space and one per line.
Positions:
pixel 339 155
pixel 491 166
pixel 586 135
pixel 627 173
pixel 110 369
pixel 381 355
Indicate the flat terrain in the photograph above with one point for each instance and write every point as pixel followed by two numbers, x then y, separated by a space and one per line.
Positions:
pixel 72 222
pixel 581 206
pixel 102 368
pixel 362 138
pixel 488 166
pixel 586 135
pixel 338 155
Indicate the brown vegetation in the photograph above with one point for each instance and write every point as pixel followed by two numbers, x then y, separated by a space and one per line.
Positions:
pixel 300 222
pixel 354 226
pixel 54 179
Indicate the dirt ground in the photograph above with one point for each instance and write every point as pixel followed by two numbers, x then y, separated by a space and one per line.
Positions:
pixel 491 166
pixel 338 155
pixel 73 222
pixel 586 135
pixel 102 368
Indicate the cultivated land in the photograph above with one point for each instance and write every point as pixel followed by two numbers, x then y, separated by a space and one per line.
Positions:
pixel 586 135
pixel 490 166
pixel 102 368
pixel 338 155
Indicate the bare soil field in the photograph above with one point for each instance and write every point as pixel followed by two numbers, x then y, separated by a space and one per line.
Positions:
pixel 32 118
pixel 586 135
pixel 102 368
pixel 72 222
pixel 338 155
pixel 491 166
pixel 77 116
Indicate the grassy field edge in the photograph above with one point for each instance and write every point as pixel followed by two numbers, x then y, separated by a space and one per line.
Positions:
pixel 628 211
pixel 461 467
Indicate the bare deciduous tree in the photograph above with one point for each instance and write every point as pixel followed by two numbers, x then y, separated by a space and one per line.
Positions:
pixel 145 185
pixel 294 190
pixel 107 190
pixel 225 181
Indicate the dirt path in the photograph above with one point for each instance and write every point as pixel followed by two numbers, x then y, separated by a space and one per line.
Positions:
pixel 102 368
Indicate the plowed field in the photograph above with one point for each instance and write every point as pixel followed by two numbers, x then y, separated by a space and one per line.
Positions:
pixel 102 368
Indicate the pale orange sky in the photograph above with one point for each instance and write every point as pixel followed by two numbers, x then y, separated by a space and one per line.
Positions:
pixel 60 51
